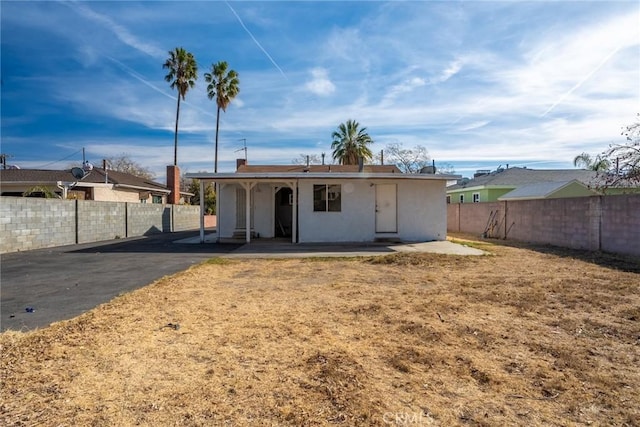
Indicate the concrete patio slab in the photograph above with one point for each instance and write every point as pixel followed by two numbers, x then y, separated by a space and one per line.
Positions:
pixel 281 248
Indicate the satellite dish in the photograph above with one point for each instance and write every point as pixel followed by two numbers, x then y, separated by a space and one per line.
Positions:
pixel 77 173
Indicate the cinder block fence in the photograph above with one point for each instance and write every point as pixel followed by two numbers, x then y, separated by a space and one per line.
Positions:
pixel 33 223
pixel 606 223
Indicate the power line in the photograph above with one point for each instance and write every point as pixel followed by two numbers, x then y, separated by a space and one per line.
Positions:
pixel 58 161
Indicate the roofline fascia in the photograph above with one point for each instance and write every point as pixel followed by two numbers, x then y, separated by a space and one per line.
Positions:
pixel 483 187
pixel 317 175
pixel 137 187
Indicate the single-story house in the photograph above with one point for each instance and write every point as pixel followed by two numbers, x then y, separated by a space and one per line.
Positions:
pixel 82 183
pixel 548 190
pixel 328 203
pixel 488 186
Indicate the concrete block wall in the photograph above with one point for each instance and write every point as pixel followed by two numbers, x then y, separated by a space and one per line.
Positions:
pixel 101 221
pixel 36 223
pixel 559 222
pixel 145 219
pixel 608 223
pixel 185 217
pixel 33 223
pixel 621 224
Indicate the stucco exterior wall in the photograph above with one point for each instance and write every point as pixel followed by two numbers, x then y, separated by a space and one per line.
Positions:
pixel 106 193
pixel 421 211
pixel 226 211
pixel 486 194
pixel 263 210
pixel 354 223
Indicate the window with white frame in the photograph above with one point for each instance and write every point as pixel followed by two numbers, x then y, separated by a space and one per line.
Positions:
pixel 327 198
pixel 448 199
pixel 462 198
pixel 476 197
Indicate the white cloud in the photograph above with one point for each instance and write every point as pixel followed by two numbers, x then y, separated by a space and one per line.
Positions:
pixel 320 84
pixel 452 69
pixel 122 33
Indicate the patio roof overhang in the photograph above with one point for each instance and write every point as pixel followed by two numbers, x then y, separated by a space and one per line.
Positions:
pixel 294 176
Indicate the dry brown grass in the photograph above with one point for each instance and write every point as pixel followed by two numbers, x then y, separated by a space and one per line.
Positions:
pixel 518 337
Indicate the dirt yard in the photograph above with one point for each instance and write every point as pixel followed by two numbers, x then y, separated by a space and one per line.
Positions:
pixel 521 336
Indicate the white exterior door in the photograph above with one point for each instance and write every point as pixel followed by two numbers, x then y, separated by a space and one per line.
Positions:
pixel 386 208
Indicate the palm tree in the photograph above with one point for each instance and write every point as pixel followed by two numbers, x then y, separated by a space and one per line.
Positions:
pixel 584 160
pixel 350 143
pixel 183 73
pixel 223 86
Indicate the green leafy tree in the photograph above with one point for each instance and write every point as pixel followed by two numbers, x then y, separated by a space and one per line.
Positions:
pixel 209 196
pixel 183 73
pixel 350 143
pixel 40 191
pixel 224 85
pixel 585 161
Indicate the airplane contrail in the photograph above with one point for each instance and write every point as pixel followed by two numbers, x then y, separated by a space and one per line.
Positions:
pixel 137 76
pixel 581 82
pixel 256 42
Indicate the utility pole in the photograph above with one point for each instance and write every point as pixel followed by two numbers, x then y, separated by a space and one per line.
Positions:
pixel 3 161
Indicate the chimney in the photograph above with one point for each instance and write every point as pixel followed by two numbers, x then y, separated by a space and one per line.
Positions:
pixel 240 162
pixel 173 184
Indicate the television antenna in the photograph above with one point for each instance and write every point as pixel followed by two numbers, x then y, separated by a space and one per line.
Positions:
pixel 244 148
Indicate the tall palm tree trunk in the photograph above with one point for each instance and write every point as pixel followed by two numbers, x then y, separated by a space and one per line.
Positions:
pixel 215 164
pixel 175 144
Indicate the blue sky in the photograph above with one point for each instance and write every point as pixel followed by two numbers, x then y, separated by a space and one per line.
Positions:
pixel 478 83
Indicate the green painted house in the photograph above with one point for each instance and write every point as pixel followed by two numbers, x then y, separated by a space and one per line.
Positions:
pixel 522 184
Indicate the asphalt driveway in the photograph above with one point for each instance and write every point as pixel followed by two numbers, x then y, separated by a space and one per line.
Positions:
pixel 47 285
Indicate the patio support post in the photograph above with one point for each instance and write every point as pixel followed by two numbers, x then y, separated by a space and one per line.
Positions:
pixel 294 212
pixel 247 218
pixel 217 187
pixel 247 191
pixel 201 211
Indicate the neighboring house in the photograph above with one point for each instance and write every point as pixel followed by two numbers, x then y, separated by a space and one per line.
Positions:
pixel 329 203
pixel 549 190
pixel 94 184
pixel 489 186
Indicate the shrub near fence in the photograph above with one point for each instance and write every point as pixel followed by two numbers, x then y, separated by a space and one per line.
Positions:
pixel 32 223
pixel 607 223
